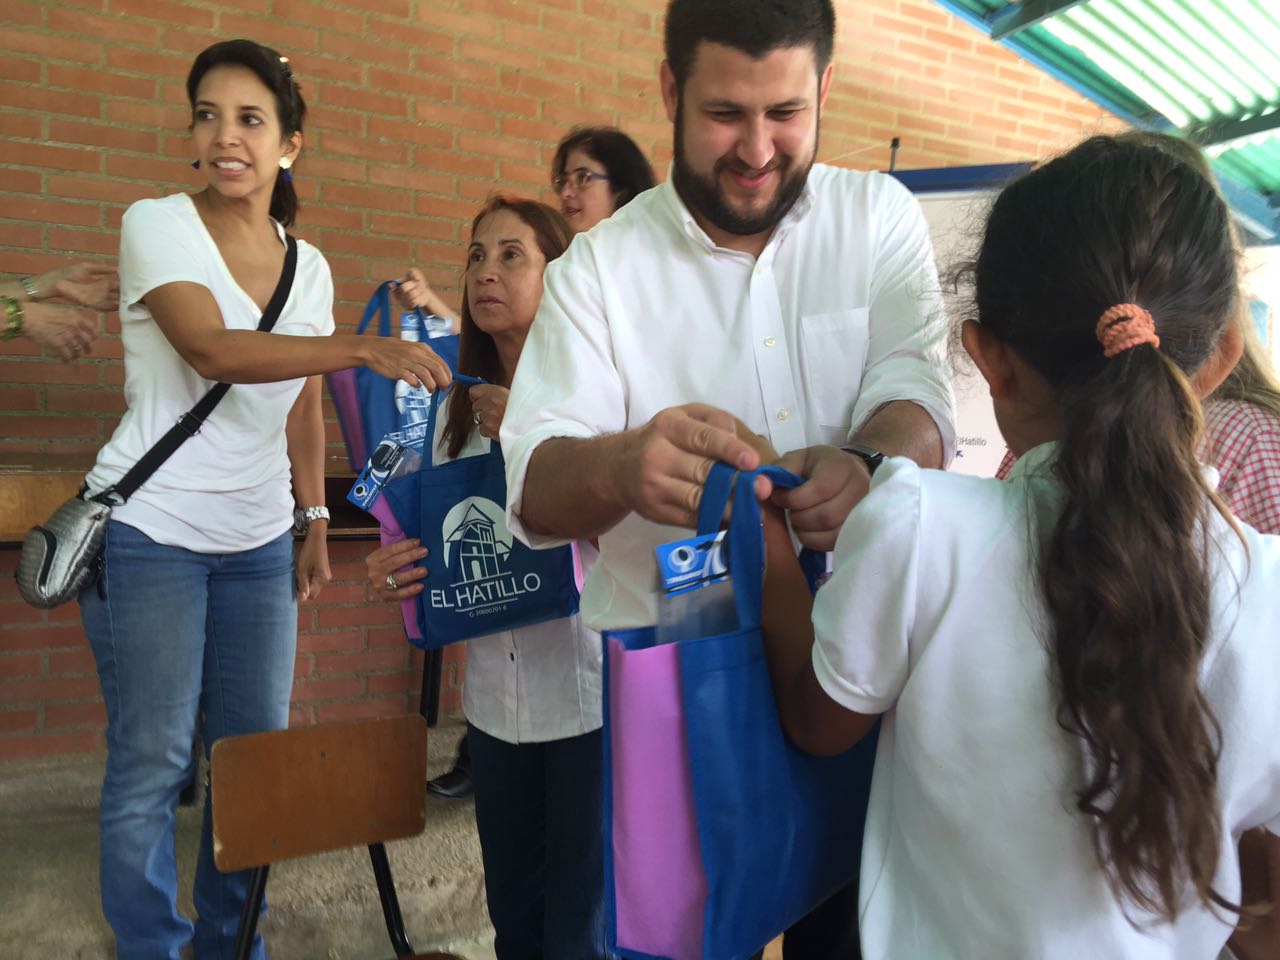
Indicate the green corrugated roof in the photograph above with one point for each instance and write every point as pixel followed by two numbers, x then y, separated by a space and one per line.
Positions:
pixel 1209 69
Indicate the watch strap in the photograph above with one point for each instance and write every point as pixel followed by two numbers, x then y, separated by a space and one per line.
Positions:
pixel 869 455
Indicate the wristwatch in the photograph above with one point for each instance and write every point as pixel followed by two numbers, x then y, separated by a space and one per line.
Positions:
pixel 303 516
pixel 872 458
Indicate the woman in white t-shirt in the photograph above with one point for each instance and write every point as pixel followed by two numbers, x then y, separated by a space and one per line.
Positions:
pixel 1077 666
pixel 532 696
pixel 194 613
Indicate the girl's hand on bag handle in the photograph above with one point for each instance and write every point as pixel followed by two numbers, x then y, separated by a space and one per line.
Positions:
pixel 835 481
pixel 490 402
pixel 396 559
pixel 414 363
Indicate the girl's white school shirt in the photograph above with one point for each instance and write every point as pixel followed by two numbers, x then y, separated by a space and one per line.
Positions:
pixel 973 847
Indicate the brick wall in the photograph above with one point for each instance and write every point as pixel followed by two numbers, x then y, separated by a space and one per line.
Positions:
pixel 418 109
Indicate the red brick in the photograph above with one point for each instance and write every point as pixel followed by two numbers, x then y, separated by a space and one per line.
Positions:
pixel 387 636
pixel 324 642
pixel 451 68
pixel 366 147
pixel 14 721
pixel 20 665
pixel 46 45
pixel 361 663
pixel 148 61
pixel 142 168
pixel 613 11
pixel 500 55
pixel 26 746
pixel 78 241
pixel 166 11
pixel 366 100
pixel 332 18
pixel 75 715
pixel 13 68
pixel 361 709
pixel 405 681
pixel 301 715
pixel 325 689
pixel 501 147
pixel 48 101
pixel 41 689
pixel 96 78
pixel 415 227
pixel 71 661
pixel 102 135
pixel 465 23
pixel 410 131
pixel 365 245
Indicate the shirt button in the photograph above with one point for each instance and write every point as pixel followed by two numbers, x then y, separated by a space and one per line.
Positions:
pixel 784 413
pixel 769 341
pixel 513 657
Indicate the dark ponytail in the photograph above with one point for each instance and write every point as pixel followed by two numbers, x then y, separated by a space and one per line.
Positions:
pixel 1125 572
pixel 276 74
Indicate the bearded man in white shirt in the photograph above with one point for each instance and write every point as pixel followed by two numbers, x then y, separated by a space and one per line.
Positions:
pixel 800 299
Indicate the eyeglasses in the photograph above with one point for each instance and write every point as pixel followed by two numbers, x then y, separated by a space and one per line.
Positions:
pixel 577 178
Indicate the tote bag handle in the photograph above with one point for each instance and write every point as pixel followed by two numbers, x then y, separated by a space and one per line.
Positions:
pixel 380 305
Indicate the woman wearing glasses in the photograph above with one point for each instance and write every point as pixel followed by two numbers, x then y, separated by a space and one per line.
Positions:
pixel 597 170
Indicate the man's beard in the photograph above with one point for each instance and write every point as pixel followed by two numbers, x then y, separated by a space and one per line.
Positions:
pixel 703 194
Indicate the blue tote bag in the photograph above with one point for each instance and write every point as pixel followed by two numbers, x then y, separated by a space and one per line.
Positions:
pixel 366 401
pixel 778 831
pixel 480 578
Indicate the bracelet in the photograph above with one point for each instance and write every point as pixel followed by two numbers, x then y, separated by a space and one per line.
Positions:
pixel 29 288
pixel 303 517
pixel 13 318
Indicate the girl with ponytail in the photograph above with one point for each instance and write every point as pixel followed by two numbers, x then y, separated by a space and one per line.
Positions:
pixel 1076 667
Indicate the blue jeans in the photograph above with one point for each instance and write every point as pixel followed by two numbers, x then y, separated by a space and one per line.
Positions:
pixel 178 635
pixel 539 813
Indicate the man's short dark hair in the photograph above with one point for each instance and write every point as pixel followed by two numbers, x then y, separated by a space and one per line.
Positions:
pixel 756 27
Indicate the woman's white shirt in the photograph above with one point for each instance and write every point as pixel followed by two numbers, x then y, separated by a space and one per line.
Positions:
pixel 226 489
pixel 535 683
pixel 973 847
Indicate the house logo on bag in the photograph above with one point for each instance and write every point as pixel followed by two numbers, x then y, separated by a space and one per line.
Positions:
pixel 477 555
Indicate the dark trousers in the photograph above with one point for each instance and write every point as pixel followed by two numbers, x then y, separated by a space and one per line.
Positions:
pixel 828 932
pixel 539 813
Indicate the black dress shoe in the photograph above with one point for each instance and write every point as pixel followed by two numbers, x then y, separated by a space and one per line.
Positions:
pixel 454 784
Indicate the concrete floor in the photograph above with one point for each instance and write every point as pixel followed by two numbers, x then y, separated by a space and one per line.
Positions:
pixel 321 908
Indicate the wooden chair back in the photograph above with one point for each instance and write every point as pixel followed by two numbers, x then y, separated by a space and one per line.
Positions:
pixel 312 789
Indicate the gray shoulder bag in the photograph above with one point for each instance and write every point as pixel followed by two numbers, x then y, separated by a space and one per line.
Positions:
pixel 63 555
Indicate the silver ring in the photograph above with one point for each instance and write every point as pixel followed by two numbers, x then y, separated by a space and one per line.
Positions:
pixel 391 582
pixel 477 417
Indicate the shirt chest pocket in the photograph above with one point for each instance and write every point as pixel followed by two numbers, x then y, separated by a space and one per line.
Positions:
pixel 833 351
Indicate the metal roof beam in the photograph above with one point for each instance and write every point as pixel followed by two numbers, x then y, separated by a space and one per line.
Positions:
pixel 1016 17
pixel 1225 131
